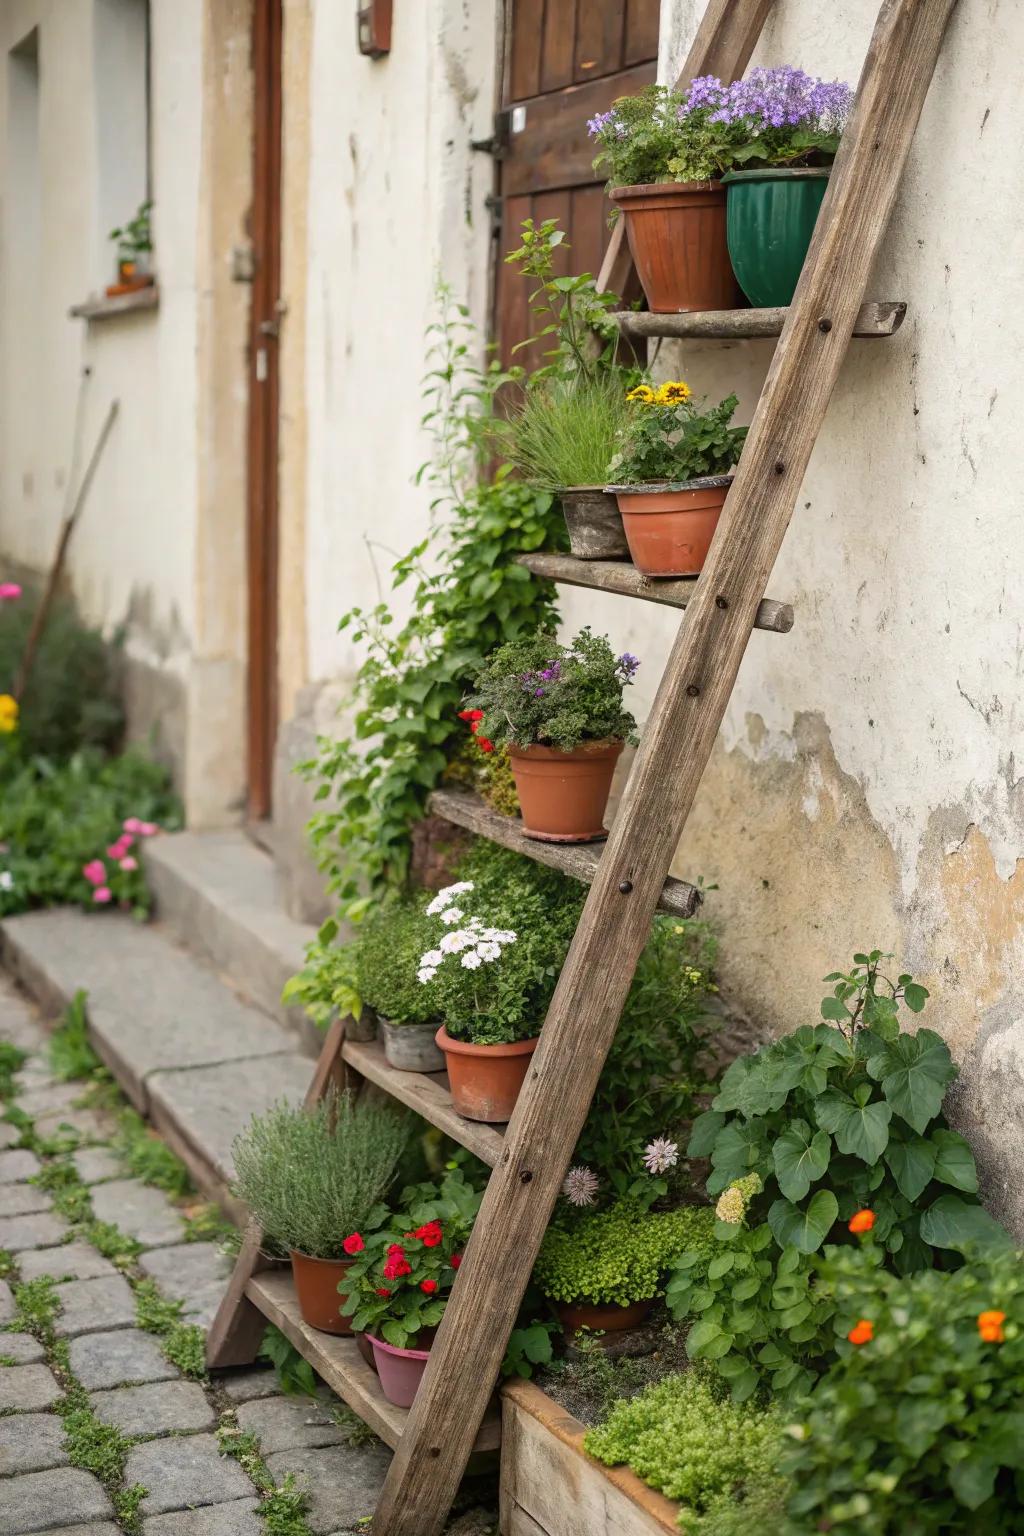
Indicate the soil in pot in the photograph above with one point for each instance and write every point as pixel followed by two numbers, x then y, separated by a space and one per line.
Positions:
pixel 607 1317
pixel 770 218
pixel 670 528
pixel 676 233
pixel 316 1286
pixel 411 1047
pixel 563 795
pixel 594 523
pixel 485 1079
pixel 400 1370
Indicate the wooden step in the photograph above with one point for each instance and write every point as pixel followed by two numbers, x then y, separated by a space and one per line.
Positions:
pixel 579 860
pixel 338 1361
pixel 426 1093
pixel 622 578
pixel 873 321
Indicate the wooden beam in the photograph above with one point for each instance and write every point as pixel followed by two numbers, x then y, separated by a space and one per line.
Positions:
pixel 426 1093
pixel 679 739
pixel 579 861
pixel 724 41
pixel 871 321
pixel 625 580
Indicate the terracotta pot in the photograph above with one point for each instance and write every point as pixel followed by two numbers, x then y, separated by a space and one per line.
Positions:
pixel 400 1370
pixel 594 522
pixel 676 233
pixel 563 795
pixel 316 1286
pixel 485 1079
pixel 670 528
pixel 411 1047
pixel 608 1317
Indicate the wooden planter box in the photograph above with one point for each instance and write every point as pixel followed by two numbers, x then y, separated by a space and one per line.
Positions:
pixel 550 1487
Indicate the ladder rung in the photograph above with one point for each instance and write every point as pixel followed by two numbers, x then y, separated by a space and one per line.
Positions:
pixel 579 860
pixel 426 1093
pixel 873 321
pixel 620 577
pixel 337 1359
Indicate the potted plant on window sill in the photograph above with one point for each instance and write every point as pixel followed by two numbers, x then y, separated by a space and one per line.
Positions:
pixel 672 476
pixel 603 1269
pixel 559 710
pixel 314 1180
pixel 134 253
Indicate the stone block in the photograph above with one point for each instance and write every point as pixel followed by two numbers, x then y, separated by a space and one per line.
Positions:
pixel 27 1389
pixel 183 1473
pixel 23 1200
pixel 245 1385
pixel 31 1442
pixel 39 1501
pixel 290 1423
pixel 343 1482
pixel 42 1231
pixel 193 1273
pixel 158 1408
pixel 20 1349
pixel 94 1165
pixel 140 1210
pixel 239 1518
pixel 17 1165
pixel 102 1360
pixel 93 1306
pixel 71 1261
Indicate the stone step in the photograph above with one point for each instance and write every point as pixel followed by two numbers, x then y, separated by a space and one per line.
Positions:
pixel 220 895
pixel 186 1050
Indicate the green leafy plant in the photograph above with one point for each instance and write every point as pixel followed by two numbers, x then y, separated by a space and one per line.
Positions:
pixel 716 1457
pixel 571 311
pixel 389 946
pixel 295 1375
pixel 313 1177
pixel 563 434
pixel 12 1059
pixel 537 691
pixel 71 1056
pixel 135 238
pixel 668 437
pixel 70 700
pixel 617 1255
pixel 328 984
pixel 918 1430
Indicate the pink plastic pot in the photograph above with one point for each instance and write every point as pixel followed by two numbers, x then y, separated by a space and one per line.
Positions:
pixel 400 1371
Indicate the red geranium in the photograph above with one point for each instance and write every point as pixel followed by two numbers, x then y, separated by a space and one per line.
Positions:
pixel 383 1291
pixel 396 1267
pixel 430 1234
pixel 428 1287
pixel 456 1260
pixel 353 1243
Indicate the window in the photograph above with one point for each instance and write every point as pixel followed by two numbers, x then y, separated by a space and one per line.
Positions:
pixel 121 76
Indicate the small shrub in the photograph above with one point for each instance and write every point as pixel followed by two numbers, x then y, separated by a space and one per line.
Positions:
pixel 617 1255
pixel 389 946
pixel 71 699
pixel 312 1178
pixel 71 1056
pixel 681 1439
pixel 668 437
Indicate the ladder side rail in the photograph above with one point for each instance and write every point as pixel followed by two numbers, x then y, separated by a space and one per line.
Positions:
pixel 691 702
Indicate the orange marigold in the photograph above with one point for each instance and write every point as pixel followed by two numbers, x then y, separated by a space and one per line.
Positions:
pixel 862 1333
pixel 862 1221
pixel 990 1326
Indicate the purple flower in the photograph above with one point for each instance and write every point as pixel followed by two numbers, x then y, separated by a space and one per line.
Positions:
pixel 627 665
pixel 581 1186
pixel 597 125
pixel 784 98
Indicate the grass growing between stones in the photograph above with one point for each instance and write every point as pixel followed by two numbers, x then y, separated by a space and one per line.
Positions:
pixel 183 1343
pixel 12 1059
pixel 282 1506
pixel 70 1055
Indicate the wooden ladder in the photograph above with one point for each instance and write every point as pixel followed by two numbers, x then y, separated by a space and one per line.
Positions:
pixel 629 878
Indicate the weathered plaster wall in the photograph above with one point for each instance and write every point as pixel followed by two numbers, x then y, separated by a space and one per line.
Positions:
pixel 166 509
pixel 866 788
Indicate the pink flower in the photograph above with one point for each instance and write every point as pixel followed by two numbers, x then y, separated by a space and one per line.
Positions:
pixel 102 894
pixel 118 850
pixel 148 828
pixel 129 864
pixel 133 824
pixel 9 589
pixel 95 872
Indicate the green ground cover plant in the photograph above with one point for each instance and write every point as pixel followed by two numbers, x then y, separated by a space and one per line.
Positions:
pixel 283 1506
pixel 391 940
pixel 618 1255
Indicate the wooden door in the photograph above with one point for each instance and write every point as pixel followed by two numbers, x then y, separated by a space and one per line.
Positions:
pixel 265 317
pixel 565 60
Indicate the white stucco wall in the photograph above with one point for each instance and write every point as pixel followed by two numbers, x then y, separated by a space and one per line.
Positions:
pixel 396 197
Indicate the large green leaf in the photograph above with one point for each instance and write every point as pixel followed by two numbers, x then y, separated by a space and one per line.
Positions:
pixel 800 1158
pixel 973 1479
pixel 860 1129
pixel 804 1228
pixel 914 1071
pixel 951 1223
pixel 954 1161
pixel 704 1133
pixel 912 1163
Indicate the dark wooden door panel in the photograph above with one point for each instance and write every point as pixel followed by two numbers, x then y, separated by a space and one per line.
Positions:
pixel 527 33
pixel 550 146
pixel 599 36
pixel 641 39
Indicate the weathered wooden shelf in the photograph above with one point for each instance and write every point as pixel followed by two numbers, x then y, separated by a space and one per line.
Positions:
pixel 339 1362
pixel 104 308
pixel 426 1093
pixel 873 321
pixel 580 860
pixel 622 578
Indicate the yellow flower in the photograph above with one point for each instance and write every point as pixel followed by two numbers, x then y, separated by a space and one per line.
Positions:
pixel 643 393
pixel 673 392
pixel 8 713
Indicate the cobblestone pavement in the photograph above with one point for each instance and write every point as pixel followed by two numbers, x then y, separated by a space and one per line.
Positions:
pixel 107 1421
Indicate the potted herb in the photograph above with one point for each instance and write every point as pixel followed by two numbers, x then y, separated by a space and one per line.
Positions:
pixel 314 1180
pixel 561 435
pixel 389 946
pixel 671 465
pixel 559 710
pixel 784 128
pixel 398 1286
pixel 491 983
pixel 603 1268
pixel 134 252
pixel 659 149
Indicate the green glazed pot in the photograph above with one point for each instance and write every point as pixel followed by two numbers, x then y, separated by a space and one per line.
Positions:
pixel 770 218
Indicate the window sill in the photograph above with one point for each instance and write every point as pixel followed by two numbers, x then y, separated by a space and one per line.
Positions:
pixel 123 304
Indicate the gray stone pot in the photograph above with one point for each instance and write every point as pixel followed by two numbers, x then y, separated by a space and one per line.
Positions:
pixel 411 1047
pixel 364 1028
pixel 594 522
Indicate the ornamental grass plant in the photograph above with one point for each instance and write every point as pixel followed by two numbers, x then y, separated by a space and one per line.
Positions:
pixel 563 432
pixel 313 1177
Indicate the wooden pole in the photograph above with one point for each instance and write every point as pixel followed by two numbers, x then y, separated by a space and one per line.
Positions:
pixel 584 1012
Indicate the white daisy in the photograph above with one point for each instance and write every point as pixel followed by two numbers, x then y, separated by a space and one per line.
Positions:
pixel 452 915
pixel 6 880
pixel 489 951
pixel 433 957
pixel 454 943
pixel 426 973
pixel 471 960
